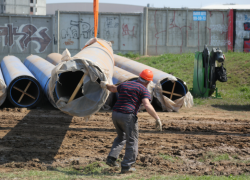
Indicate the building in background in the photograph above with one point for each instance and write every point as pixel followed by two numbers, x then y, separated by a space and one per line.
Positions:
pixel 227 6
pixel 88 7
pixel 34 7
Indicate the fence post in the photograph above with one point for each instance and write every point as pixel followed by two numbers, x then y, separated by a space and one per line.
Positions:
pixel 31 21
pixel 9 48
pixel 120 32
pixel 80 30
pixel 58 31
pixel 145 31
pixel 53 32
pixel 141 35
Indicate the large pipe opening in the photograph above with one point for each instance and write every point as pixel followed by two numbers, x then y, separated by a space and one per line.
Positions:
pixel 24 92
pixel 173 90
pixel 67 84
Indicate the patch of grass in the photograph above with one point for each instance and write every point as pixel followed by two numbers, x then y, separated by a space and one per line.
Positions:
pixel 200 101
pixel 221 157
pixel 94 168
pixel 168 157
pixel 214 157
pixel 62 174
pixel 234 92
pixel 189 177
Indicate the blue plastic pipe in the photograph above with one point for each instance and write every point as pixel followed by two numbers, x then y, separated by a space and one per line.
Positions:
pixel 41 69
pixel 18 79
pixel 3 90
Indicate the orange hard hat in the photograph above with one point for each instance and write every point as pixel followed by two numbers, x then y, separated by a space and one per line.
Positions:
pixel 147 75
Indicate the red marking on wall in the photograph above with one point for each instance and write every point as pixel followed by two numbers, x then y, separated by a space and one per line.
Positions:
pixel 222 15
pixel 246 45
pixel 123 44
pixel 247 26
pixel 209 29
pixel 126 31
pixel 69 42
pixel 230 30
pixel 173 24
pixel 156 43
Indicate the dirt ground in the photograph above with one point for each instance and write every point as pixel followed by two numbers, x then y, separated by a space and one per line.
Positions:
pixel 202 140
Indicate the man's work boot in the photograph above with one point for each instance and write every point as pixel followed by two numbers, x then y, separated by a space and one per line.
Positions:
pixel 111 161
pixel 126 170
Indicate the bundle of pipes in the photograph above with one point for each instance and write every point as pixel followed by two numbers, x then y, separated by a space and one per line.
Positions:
pixel 120 76
pixel 54 58
pixel 41 69
pixel 169 90
pixel 3 90
pixel 73 86
pixel 23 88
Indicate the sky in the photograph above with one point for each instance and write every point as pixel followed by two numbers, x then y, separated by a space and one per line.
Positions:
pixel 162 3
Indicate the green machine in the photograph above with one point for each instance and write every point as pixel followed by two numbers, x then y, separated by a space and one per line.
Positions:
pixel 208 68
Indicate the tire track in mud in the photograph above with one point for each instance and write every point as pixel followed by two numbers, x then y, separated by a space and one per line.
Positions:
pixel 38 139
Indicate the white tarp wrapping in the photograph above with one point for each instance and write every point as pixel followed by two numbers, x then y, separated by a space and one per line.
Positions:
pixel 150 88
pixel 159 76
pixel 169 105
pixel 3 89
pixel 94 96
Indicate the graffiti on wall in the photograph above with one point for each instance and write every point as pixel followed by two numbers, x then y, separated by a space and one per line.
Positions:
pixel 77 30
pixel 222 28
pixel 25 34
pixel 246 17
pixel 242 39
pixel 246 43
pixel 172 25
pixel 217 33
pixel 111 27
pixel 215 40
pixel 127 32
pixel 247 26
pixel 72 32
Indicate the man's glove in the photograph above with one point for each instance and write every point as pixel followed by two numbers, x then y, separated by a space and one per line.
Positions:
pixel 103 84
pixel 158 124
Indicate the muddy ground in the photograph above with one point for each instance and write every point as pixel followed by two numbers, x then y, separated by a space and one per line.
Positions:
pixel 202 140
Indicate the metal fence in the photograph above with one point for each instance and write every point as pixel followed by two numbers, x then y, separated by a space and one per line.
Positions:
pixel 154 32
pixel 124 31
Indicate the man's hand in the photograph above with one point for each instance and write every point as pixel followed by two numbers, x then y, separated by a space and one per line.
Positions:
pixel 158 124
pixel 103 84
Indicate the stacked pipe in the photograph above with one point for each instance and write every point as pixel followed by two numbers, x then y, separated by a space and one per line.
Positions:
pixel 23 88
pixel 121 75
pixel 3 92
pixel 54 58
pixel 166 84
pixel 41 69
pixel 73 86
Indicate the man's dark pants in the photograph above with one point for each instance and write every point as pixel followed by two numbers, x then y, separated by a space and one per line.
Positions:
pixel 127 132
